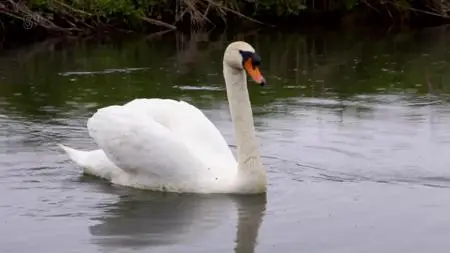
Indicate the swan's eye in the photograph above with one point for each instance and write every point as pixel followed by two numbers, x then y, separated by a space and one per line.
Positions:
pixel 245 56
pixel 255 59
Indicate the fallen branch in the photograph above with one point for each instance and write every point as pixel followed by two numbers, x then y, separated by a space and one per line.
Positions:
pixel 158 22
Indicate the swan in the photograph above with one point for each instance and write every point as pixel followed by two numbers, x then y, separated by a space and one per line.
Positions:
pixel 169 145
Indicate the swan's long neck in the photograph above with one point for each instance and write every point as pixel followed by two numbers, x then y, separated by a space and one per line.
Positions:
pixel 249 159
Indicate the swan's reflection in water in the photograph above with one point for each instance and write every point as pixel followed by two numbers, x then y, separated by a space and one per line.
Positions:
pixel 142 219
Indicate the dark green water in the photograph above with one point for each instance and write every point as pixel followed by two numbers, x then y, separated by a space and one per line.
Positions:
pixel 354 132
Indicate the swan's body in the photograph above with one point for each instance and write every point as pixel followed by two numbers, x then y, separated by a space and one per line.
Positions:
pixel 169 145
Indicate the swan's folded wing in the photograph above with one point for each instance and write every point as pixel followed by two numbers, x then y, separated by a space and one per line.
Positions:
pixel 189 124
pixel 141 146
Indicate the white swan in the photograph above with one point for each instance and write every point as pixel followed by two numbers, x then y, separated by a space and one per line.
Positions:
pixel 169 145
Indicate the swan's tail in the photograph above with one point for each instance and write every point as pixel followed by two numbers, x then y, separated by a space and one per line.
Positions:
pixel 93 162
pixel 78 156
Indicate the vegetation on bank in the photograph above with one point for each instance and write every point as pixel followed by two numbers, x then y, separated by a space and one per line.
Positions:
pixel 88 16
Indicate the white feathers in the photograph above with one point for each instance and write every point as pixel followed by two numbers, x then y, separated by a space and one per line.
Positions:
pixel 157 144
pixel 164 144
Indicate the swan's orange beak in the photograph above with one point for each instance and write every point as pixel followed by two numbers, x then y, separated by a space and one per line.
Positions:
pixel 254 72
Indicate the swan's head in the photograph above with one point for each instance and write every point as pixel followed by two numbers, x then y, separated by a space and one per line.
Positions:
pixel 241 55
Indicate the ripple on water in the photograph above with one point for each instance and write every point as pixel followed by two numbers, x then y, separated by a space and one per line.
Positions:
pixel 105 71
pixel 376 148
pixel 205 88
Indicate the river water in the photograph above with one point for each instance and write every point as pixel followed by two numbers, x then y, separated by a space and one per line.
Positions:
pixel 354 132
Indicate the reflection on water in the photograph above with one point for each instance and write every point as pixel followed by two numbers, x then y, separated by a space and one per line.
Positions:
pixel 151 219
pixel 353 130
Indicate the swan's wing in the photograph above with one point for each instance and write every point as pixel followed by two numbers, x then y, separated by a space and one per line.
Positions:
pixel 189 125
pixel 141 146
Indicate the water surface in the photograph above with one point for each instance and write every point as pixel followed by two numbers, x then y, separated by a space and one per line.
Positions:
pixel 353 131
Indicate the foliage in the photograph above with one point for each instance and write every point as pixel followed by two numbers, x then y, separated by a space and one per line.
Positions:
pixel 281 7
pixel 87 16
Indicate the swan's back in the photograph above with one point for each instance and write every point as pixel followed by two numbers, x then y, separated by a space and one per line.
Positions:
pixel 162 143
pixel 188 124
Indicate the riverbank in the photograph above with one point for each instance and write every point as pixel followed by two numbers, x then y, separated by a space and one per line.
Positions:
pixel 37 19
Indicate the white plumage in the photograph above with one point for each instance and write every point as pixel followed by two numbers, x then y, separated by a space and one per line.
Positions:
pixel 169 145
